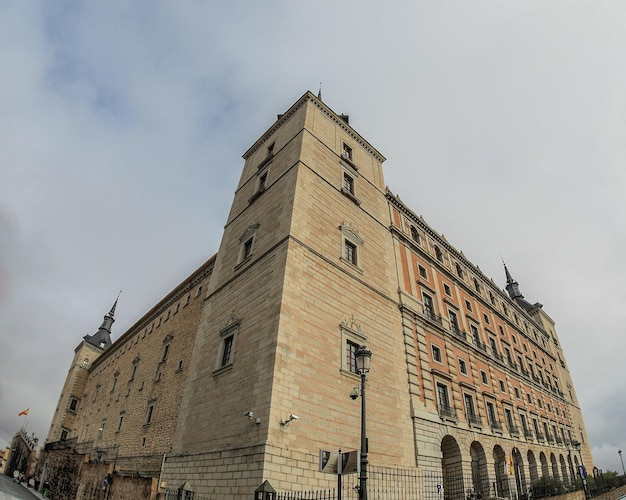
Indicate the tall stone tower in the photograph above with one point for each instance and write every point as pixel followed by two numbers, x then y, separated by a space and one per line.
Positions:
pixel 64 419
pixel 304 273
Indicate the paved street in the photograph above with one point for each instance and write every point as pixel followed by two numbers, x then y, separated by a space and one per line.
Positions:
pixel 10 490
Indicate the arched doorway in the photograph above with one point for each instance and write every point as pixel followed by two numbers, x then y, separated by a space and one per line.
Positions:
pixel 545 469
pixel 480 474
pixel 452 468
pixel 502 482
pixel 555 467
pixel 520 476
pixel 532 466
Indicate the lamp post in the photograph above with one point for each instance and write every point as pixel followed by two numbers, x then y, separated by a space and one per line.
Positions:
pixel 363 363
pixel 621 460
pixel 577 445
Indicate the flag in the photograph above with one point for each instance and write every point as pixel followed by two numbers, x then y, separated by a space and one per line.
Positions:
pixel 25 412
pixel 511 464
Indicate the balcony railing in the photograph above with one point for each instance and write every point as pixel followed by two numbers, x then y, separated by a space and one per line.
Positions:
pixel 495 426
pixel 474 419
pixel 550 438
pixel 430 314
pixel 446 411
pixel 479 344
pixel 536 379
pixel 497 355
pixel 459 333
pixel 513 365
pixel 540 436
pixel 559 440
pixel 528 434
pixel 525 373
pixel 513 430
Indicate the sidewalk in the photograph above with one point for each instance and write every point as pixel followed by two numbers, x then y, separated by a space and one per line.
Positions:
pixel 32 491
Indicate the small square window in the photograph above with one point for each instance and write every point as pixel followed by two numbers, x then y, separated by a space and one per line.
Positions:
pixel 422 272
pixel 468 305
pixel 447 290
pixel 483 376
pixel 486 318
pixel 502 387
pixel 436 353
pixel 463 366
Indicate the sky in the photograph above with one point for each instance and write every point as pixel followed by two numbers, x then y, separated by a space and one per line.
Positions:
pixel 122 126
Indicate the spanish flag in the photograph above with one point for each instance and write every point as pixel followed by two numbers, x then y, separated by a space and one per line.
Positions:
pixel 25 412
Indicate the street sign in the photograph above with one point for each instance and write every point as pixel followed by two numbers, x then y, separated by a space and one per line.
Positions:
pixel 349 462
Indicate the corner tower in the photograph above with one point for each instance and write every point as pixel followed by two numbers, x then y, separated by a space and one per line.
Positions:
pixel 305 272
pixel 63 424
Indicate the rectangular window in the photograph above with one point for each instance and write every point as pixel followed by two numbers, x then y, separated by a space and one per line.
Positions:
pixel 462 366
pixel 247 249
pixel 351 349
pixel 491 413
pixel 447 290
pixel 348 183
pixel 64 434
pixel 502 386
pixel 429 309
pixel 524 423
pixel 454 321
pixel 133 371
pixel 436 353
pixel 227 352
pixel 119 424
pixel 262 182
pixel 114 383
pixel 350 252
pixel 442 395
pixel 180 365
pixel 468 305
pixel 347 152
pixel 486 318
pixel 73 404
pixel 509 420
pixel 422 272
pixel 516 392
pixel 483 376
pixel 469 407
pixel 150 413
pixel 165 354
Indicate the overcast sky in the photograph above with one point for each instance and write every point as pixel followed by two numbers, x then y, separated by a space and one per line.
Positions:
pixel 122 126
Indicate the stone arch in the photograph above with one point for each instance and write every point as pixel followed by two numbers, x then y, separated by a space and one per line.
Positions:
pixel 532 466
pixel 555 467
pixel 520 475
pixel 499 462
pixel 545 469
pixel 480 473
pixel 452 468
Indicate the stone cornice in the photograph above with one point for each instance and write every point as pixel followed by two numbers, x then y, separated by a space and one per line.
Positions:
pixel 310 97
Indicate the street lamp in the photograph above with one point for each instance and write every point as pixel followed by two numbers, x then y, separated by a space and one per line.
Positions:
pixel 577 446
pixel 621 460
pixel 363 363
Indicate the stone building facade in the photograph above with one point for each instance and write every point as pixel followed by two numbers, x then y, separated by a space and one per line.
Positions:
pixel 318 257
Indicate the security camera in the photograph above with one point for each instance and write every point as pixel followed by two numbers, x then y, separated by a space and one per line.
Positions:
pixel 294 417
pixel 354 393
pixel 248 414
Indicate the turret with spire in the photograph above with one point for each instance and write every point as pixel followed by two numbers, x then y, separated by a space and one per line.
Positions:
pixel 102 338
pixel 512 288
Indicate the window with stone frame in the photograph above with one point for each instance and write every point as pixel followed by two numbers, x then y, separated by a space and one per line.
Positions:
pixel 247 242
pixel 352 338
pixel 65 433
pixel 226 351
pixel 150 412
pixel 351 246
pixel 73 404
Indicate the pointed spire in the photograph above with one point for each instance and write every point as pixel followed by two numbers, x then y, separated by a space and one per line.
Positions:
pixel 102 338
pixel 319 94
pixel 512 286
